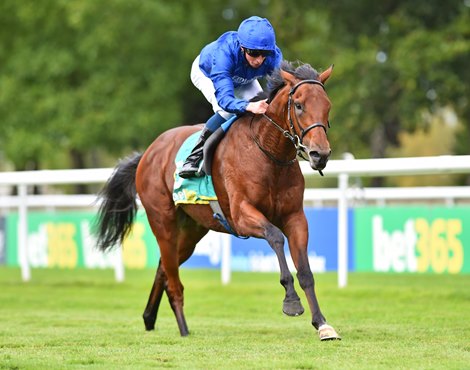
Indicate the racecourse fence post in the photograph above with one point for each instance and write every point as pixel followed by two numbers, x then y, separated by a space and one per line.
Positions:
pixel 119 266
pixel 343 231
pixel 343 184
pixel 23 254
pixel 226 260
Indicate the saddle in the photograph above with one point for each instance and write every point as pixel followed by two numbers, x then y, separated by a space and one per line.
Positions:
pixel 200 190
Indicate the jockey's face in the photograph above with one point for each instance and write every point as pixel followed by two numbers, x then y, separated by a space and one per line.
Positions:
pixel 254 58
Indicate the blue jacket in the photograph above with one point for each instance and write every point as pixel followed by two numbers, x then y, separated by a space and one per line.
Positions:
pixel 224 63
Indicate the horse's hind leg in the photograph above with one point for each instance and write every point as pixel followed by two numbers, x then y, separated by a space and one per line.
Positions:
pixel 174 288
pixel 177 241
pixel 185 246
pixel 151 310
pixel 175 297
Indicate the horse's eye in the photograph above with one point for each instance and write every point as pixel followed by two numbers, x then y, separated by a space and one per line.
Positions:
pixel 298 106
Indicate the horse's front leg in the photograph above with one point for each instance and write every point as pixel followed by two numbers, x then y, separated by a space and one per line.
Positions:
pixel 297 235
pixel 291 305
pixel 249 221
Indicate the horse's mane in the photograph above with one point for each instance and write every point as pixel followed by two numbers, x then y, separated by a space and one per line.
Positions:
pixel 301 71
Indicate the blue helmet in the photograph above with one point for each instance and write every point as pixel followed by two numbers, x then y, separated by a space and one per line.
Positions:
pixel 257 33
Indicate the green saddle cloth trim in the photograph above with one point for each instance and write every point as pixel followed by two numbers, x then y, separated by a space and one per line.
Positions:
pixel 195 190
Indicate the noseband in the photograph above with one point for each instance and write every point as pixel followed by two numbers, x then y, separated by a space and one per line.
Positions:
pixel 291 134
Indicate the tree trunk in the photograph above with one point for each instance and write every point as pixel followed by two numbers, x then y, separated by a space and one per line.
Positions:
pixel 78 162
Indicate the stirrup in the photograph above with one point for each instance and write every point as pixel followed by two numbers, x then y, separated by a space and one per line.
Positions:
pixel 187 169
pixel 187 174
pixel 191 172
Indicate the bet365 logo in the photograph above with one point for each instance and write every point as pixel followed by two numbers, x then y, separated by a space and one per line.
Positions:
pixel 421 246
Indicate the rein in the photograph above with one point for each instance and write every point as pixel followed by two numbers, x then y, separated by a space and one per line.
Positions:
pixel 268 154
pixel 291 134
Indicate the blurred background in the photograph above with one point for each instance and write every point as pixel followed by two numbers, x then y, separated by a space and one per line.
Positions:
pixel 84 83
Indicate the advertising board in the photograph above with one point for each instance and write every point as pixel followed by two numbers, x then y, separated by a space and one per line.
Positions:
pixel 413 239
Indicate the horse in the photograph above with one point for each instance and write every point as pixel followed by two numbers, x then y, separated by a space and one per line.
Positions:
pixel 259 187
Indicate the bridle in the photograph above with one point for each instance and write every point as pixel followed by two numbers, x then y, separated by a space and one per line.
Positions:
pixel 291 133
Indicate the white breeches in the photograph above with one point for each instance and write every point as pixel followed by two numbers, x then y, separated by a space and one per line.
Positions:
pixel 204 83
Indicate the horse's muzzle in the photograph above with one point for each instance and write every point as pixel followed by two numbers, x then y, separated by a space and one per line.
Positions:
pixel 319 158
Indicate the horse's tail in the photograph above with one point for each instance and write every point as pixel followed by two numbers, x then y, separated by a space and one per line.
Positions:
pixel 118 204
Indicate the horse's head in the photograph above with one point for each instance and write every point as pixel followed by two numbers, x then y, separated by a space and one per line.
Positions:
pixel 307 110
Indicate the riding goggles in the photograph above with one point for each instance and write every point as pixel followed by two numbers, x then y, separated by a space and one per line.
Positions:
pixel 256 53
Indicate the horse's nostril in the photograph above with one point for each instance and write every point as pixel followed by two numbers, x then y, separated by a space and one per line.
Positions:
pixel 319 155
pixel 318 159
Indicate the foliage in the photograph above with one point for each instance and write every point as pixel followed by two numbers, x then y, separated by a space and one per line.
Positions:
pixel 86 80
pixel 86 75
pixel 438 139
pixel 68 319
pixel 396 60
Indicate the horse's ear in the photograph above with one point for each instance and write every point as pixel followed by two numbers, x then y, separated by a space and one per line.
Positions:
pixel 324 75
pixel 288 78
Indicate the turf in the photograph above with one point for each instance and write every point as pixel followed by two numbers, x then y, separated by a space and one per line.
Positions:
pixel 74 319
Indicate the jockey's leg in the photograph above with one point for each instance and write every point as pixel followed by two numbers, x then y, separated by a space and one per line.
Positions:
pixel 190 167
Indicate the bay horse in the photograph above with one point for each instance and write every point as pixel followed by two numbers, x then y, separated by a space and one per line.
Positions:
pixel 258 182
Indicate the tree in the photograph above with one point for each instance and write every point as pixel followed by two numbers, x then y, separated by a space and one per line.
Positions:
pixel 79 77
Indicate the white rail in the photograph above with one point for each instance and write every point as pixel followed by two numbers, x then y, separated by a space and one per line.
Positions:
pixel 342 169
pixel 438 165
pixel 379 167
pixel 448 194
pixel 55 177
pixel 316 197
pixel 47 177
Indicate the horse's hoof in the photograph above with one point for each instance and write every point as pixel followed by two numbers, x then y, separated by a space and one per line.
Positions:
pixel 292 308
pixel 326 332
pixel 149 327
pixel 184 333
pixel 149 323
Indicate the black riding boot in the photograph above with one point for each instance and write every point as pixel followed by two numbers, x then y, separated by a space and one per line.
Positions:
pixel 190 167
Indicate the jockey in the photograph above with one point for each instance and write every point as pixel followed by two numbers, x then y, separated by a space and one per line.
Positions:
pixel 227 71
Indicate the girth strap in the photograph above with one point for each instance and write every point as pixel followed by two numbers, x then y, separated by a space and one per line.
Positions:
pixel 219 216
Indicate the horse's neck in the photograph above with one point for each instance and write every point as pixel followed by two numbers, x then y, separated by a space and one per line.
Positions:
pixel 272 139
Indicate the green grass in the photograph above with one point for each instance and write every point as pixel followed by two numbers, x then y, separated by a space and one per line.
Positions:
pixel 74 319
